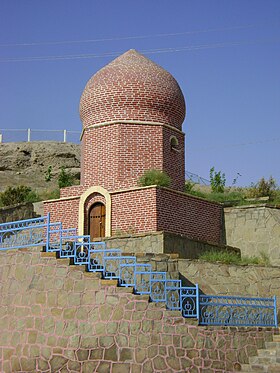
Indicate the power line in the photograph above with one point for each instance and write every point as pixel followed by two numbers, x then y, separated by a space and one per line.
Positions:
pixel 226 146
pixel 59 42
pixel 147 51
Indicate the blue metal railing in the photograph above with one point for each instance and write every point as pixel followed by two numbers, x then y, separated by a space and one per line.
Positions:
pixel 25 233
pixel 238 311
pixel 112 264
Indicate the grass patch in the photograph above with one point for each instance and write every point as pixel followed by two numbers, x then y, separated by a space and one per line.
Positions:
pixel 233 198
pixel 227 257
pixel 49 194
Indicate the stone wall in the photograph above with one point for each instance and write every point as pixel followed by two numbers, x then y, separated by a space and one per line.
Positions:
pixel 254 229
pixel 222 279
pixel 21 211
pixel 55 317
pixel 163 242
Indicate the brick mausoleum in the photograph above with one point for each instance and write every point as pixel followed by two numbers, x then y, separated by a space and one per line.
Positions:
pixel 132 112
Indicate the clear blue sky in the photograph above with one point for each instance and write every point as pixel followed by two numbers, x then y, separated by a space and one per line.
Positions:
pixel 230 76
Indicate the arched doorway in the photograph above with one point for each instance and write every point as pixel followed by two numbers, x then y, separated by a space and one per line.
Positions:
pixel 96 220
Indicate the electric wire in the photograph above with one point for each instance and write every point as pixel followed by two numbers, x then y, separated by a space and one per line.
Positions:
pixel 227 146
pixel 145 51
pixel 59 42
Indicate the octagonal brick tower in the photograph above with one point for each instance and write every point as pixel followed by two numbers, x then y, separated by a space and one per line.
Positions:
pixel 132 112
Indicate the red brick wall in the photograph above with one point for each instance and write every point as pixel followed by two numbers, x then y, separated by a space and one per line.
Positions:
pixel 116 156
pixel 149 210
pixel 184 214
pixel 158 209
pixel 174 159
pixel 72 191
pixel 100 159
pixel 134 211
pixel 65 211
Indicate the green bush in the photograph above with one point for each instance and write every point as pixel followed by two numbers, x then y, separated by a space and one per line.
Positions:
pixel 65 179
pixel 14 195
pixel 155 177
pixel 263 188
pixel 217 181
pixel 48 174
pixel 189 185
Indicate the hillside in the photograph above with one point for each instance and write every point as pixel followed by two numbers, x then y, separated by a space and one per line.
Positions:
pixel 26 163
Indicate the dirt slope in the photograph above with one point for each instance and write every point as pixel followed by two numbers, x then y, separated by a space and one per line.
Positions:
pixel 26 163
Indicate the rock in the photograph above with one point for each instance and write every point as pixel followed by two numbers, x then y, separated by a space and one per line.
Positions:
pixel 26 163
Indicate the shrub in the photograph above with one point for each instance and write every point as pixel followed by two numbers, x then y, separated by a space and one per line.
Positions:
pixel 65 179
pixel 48 174
pixel 14 195
pixel 217 181
pixel 155 177
pixel 189 185
pixel 263 188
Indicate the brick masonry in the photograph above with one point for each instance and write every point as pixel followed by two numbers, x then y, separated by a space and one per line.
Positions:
pixel 132 112
pixel 55 317
pixel 135 88
pixel 152 209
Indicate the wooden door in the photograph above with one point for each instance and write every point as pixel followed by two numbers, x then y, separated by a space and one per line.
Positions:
pixel 97 220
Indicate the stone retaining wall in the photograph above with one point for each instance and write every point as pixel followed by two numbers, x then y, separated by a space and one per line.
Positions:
pixel 55 317
pixel 222 279
pixel 21 211
pixel 254 229
pixel 163 242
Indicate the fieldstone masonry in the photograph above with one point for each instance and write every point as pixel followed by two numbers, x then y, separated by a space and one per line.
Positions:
pixel 20 211
pixel 254 229
pixel 222 279
pixel 57 318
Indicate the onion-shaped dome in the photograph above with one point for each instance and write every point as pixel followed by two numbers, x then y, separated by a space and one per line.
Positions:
pixel 133 88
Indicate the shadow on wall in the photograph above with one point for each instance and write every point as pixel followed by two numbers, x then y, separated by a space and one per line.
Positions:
pixel 188 248
pixel 22 211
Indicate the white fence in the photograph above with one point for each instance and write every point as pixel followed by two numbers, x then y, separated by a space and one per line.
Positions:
pixel 28 134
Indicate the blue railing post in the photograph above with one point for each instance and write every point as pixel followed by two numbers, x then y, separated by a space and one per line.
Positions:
pixel 197 302
pixel 275 312
pixel 48 232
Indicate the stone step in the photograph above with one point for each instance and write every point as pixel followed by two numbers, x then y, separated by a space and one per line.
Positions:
pixel 263 359
pixel 123 289
pixel 267 352
pixel 246 368
pixel 75 267
pixel 271 368
pixel 276 337
pixel 93 275
pixel 258 368
pixel 64 261
pixel 272 345
pixel 105 282
pixel 48 254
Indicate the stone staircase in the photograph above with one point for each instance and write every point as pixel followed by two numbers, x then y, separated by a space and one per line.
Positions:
pixel 267 360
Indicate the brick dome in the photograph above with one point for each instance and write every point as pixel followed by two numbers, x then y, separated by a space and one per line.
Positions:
pixel 132 87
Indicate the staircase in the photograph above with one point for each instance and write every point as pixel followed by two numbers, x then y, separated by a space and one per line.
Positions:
pixel 126 271
pixel 267 360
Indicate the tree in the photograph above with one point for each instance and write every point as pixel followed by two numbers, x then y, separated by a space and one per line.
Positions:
pixel 217 181
pixel 65 179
